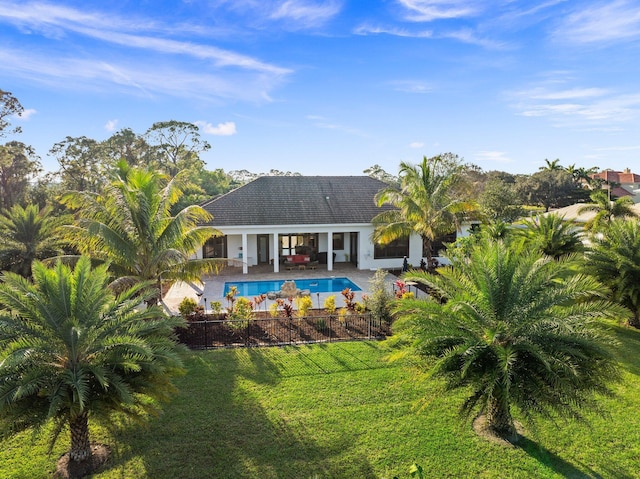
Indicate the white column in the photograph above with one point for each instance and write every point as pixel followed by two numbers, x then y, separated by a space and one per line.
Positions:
pixel 275 252
pixel 245 253
pixel 330 251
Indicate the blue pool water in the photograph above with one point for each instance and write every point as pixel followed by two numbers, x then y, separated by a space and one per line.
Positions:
pixel 319 285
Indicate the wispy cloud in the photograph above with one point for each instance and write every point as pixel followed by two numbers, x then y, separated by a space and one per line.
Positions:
pixel 411 86
pixel 416 144
pixel 221 129
pixel 327 124
pixel 578 106
pixel 366 29
pixel 602 22
pixel 111 125
pixel 306 14
pixel 143 44
pixel 143 77
pixel 429 10
pixel 492 156
pixel 25 114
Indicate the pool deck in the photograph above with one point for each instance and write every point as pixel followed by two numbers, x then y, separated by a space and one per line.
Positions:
pixel 212 286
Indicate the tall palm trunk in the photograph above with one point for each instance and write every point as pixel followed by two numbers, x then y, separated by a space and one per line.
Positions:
pixel 80 446
pixel 500 421
pixel 428 250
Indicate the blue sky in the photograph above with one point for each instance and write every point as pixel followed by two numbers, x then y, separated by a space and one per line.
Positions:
pixel 335 86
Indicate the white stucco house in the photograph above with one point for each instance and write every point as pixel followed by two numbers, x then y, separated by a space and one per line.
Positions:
pixel 327 217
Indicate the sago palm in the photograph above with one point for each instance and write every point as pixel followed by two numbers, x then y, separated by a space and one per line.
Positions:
pixel 426 203
pixel 606 210
pixel 71 351
pixel 614 259
pixel 551 235
pixel 130 226
pixel 514 329
pixel 28 234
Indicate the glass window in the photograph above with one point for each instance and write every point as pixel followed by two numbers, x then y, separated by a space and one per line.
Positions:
pixel 338 241
pixel 298 243
pixel 215 247
pixel 396 249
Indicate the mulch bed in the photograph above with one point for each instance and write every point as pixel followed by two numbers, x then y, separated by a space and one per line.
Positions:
pixel 317 326
pixel 67 469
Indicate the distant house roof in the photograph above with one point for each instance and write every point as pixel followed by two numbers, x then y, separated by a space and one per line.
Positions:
pixel 621 177
pixel 287 200
pixel 619 192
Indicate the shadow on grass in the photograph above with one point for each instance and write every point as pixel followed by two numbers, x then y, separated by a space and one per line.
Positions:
pixel 565 468
pixel 215 427
pixel 552 461
pixel 627 347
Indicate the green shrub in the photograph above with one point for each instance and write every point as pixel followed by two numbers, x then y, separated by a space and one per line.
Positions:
pixel 216 307
pixel 330 304
pixel 242 312
pixel 187 307
pixel 320 324
pixel 380 298
pixel 304 304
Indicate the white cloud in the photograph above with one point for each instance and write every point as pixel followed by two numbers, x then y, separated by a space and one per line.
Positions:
pixel 111 125
pixel 394 31
pixel 416 144
pixel 143 76
pixel 574 93
pixel 327 124
pixel 411 86
pixel 429 10
pixel 577 106
pixel 305 13
pixel 26 114
pixel 227 128
pixel 465 36
pixel 602 22
pixel 162 65
pixel 493 156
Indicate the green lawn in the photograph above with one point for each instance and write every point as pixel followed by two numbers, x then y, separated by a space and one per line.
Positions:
pixel 341 411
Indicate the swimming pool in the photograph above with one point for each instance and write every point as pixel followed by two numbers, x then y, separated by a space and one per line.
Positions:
pixel 316 285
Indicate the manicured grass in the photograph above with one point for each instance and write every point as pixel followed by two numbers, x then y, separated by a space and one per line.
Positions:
pixel 341 411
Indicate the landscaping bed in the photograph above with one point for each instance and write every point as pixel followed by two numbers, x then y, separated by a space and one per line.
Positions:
pixel 211 331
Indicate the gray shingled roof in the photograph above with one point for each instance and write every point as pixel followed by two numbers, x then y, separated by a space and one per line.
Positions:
pixel 284 200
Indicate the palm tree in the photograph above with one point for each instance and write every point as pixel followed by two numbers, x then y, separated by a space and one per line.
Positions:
pixel 606 210
pixel 551 165
pixel 130 226
pixel 513 328
pixel 28 234
pixel 551 235
pixel 71 351
pixel 426 203
pixel 614 259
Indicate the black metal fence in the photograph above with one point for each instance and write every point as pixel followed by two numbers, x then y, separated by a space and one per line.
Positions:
pixel 210 334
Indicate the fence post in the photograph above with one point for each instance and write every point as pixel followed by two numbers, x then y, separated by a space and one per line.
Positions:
pixel 290 326
pixel 330 329
pixel 246 340
pixel 206 328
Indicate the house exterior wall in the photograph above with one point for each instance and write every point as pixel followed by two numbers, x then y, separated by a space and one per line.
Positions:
pixel 366 260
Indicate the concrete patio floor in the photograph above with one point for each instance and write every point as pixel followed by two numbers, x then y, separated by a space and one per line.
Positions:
pixel 212 286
